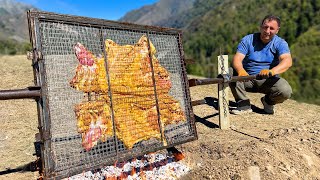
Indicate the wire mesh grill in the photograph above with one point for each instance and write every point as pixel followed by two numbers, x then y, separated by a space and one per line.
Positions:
pixel 112 91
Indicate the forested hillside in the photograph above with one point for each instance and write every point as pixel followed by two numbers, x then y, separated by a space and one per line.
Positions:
pixel 212 27
pixel 304 76
pixel 223 25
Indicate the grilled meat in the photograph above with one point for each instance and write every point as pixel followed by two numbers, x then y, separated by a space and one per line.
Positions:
pixel 134 86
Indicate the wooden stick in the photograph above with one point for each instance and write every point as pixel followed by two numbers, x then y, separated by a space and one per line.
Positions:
pixel 223 93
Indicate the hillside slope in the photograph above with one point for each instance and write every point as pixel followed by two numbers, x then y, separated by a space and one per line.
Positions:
pixel 13 20
pixel 14 33
pixel 160 13
pixel 222 27
pixel 304 76
pixel 212 27
pixel 281 146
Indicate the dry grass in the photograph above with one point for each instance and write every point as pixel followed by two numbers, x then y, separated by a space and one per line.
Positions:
pixel 18 118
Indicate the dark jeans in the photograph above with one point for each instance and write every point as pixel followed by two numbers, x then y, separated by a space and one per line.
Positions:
pixel 276 89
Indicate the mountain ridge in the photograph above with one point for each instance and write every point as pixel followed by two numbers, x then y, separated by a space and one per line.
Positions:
pixel 13 20
pixel 158 14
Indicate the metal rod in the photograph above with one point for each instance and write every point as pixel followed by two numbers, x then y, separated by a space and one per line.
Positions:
pixel 161 128
pixel 198 102
pixel 29 92
pixel 196 82
pixel 243 78
pixel 106 66
pixel 186 89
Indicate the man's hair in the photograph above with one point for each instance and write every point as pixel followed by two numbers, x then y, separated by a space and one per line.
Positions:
pixel 271 17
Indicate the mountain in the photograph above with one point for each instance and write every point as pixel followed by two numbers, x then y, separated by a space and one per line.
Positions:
pixel 13 20
pixel 171 13
pixel 14 33
pixel 212 27
pixel 161 13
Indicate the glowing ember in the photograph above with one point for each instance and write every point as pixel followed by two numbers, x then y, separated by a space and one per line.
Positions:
pixel 151 166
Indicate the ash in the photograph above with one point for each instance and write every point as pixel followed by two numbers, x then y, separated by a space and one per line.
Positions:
pixel 152 167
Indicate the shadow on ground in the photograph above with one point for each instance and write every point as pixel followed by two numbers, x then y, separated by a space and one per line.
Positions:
pixel 214 102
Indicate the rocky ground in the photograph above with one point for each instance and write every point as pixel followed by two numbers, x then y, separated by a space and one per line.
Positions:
pixel 281 146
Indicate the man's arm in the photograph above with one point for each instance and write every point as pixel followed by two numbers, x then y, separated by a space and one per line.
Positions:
pixel 285 62
pixel 237 64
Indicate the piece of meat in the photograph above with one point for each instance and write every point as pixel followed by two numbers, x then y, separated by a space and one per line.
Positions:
pixel 94 122
pixel 90 73
pixel 85 57
pixel 133 84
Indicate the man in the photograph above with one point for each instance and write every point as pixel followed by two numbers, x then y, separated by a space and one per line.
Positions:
pixel 267 55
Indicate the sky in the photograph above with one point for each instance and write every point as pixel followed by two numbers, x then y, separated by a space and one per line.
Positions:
pixel 103 9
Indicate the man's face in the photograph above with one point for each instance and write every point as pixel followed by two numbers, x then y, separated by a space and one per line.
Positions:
pixel 268 29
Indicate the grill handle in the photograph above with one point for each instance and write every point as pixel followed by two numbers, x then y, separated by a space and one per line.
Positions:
pixel 32 92
pixel 196 82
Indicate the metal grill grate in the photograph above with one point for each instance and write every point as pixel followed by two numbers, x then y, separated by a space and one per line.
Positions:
pixel 128 104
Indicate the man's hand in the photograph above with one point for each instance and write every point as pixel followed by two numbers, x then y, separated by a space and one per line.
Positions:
pixel 265 73
pixel 242 72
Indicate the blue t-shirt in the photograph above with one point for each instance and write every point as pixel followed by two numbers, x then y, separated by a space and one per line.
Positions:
pixel 260 56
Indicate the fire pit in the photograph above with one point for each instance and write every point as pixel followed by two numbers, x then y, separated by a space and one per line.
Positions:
pixel 110 91
pixel 150 166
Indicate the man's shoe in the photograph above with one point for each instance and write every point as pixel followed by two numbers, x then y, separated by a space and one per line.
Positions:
pixel 243 107
pixel 239 111
pixel 269 109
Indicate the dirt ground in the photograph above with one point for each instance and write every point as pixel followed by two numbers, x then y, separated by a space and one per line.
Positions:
pixel 258 146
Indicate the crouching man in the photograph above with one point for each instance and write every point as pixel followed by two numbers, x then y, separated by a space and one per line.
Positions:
pixel 267 55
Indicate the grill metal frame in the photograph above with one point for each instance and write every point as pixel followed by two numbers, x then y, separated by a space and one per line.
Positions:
pixel 35 18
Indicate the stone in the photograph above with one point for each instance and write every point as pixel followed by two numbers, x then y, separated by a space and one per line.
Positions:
pixel 308 159
pixel 254 173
